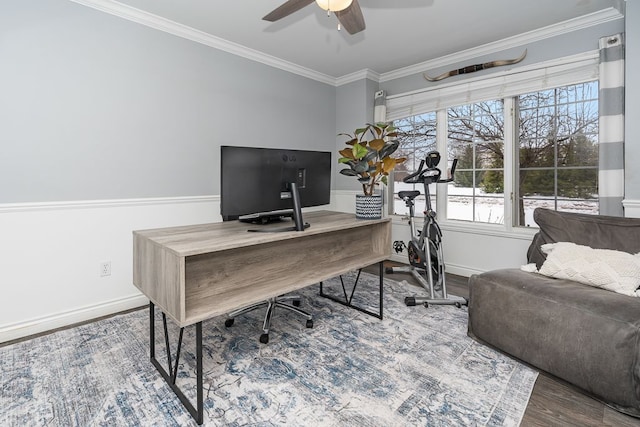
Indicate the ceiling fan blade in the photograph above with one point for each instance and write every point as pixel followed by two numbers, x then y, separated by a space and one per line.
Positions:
pixel 351 18
pixel 286 9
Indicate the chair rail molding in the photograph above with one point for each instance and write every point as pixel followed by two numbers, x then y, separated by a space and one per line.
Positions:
pixel 107 203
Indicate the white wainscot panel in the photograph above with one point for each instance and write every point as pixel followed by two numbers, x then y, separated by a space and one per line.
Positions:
pixel 51 255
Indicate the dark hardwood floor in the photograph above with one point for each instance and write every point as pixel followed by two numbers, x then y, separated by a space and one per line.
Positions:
pixel 553 402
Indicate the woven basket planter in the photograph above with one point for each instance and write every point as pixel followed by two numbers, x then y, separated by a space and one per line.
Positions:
pixel 368 207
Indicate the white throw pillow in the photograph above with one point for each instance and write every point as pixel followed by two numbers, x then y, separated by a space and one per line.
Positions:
pixel 603 268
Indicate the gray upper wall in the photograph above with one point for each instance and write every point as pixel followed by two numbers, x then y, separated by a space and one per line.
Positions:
pixel 96 107
pixel 354 108
pixel 560 46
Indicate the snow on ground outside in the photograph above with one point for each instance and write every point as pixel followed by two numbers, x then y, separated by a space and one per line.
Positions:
pixel 489 207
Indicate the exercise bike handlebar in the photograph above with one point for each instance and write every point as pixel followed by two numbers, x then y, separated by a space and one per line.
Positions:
pixel 432 174
pixel 453 171
pixel 410 179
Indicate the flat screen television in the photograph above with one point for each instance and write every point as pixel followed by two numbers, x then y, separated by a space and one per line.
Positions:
pixel 265 184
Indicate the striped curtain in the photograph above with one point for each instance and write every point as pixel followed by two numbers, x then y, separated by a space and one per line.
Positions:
pixel 611 124
pixel 380 107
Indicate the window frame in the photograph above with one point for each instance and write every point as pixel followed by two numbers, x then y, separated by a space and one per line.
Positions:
pixel 504 85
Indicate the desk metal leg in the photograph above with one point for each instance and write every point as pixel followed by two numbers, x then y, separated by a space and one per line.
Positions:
pixel 347 298
pixel 170 377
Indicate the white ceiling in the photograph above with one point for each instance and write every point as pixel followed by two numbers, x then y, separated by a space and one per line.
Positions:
pixel 399 33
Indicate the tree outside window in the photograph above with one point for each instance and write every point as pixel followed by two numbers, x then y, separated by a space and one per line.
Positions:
pixel 476 139
pixel 558 150
pixel 417 136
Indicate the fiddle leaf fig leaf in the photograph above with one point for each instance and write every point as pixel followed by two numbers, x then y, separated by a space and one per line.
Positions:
pixel 371 155
pixel 389 149
pixel 346 152
pixel 360 131
pixel 348 172
pixel 361 167
pixel 388 164
pixel 344 160
pixel 377 144
pixel 359 151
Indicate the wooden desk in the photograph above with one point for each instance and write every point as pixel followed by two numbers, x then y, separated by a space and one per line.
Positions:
pixel 193 273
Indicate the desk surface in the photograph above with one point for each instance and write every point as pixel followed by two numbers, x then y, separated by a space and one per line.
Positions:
pixel 200 271
pixel 205 238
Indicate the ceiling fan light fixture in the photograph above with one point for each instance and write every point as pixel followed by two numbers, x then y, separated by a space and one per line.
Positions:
pixel 334 5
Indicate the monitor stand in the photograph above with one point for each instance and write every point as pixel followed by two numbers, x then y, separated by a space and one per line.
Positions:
pixel 300 225
pixel 267 217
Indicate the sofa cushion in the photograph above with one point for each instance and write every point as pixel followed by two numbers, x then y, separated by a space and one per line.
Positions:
pixel 595 231
pixel 615 271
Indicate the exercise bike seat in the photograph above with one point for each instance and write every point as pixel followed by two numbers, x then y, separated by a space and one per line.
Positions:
pixel 404 195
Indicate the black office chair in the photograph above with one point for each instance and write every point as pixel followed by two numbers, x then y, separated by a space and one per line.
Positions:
pixel 271 304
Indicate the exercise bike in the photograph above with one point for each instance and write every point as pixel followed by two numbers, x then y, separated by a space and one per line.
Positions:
pixel 425 248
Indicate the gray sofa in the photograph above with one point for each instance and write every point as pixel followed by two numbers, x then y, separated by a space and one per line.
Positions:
pixel 587 336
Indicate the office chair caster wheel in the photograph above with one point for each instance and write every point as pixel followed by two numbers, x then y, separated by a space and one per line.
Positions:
pixel 426 304
pixel 228 322
pixel 264 338
pixel 458 305
pixel 309 323
pixel 296 302
pixel 410 301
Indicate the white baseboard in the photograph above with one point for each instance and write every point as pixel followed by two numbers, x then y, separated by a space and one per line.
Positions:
pixel 71 317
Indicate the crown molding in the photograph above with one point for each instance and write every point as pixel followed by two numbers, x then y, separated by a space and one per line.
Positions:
pixel 579 23
pixel 358 75
pixel 159 23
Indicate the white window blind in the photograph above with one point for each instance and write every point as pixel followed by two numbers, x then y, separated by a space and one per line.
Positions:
pixel 545 75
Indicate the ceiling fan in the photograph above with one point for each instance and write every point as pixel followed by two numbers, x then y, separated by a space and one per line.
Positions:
pixel 348 12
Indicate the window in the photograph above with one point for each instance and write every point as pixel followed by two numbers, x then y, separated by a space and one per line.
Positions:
pixel 476 139
pixel 545 141
pixel 558 151
pixel 417 136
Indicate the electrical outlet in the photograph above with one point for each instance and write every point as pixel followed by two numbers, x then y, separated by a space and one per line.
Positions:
pixel 105 268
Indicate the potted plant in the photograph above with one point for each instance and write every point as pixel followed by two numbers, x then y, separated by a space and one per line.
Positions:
pixel 368 157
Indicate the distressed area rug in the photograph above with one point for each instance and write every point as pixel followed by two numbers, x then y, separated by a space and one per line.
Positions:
pixel 417 367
